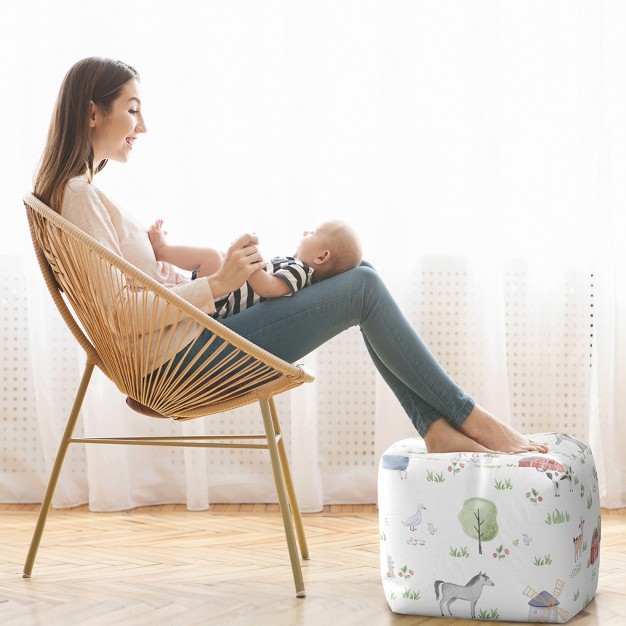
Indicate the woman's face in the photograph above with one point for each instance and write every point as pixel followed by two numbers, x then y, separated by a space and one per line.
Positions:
pixel 113 135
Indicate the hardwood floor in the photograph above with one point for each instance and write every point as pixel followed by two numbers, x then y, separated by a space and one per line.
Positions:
pixel 229 565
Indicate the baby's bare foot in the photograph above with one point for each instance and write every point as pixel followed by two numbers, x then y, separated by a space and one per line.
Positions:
pixel 442 437
pixel 157 235
pixel 489 431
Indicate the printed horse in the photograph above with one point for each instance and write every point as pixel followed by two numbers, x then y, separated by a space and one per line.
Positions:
pixel 471 592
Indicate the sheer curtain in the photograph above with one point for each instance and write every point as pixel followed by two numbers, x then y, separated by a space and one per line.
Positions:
pixel 478 147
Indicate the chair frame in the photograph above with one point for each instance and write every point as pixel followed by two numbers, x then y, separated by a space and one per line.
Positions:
pixel 48 229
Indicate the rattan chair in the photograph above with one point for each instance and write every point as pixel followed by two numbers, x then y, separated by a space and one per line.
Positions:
pixel 126 322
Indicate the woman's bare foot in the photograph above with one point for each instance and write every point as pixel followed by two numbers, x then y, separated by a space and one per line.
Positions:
pixel 157 238
pixel 489 431
pixel 443 437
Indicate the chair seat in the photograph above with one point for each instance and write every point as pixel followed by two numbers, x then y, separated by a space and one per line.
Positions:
pixel 142 408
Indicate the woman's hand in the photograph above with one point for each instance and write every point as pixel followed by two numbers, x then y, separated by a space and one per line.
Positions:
pixel 241 261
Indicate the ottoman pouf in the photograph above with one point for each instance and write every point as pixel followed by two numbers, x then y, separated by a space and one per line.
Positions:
pixel 490 536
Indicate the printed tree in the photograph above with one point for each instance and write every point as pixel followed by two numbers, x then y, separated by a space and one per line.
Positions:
pixel 479 518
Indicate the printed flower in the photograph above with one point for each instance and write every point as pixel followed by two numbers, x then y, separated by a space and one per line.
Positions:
pixel 501 552
pixel 455 467
pixel 533 496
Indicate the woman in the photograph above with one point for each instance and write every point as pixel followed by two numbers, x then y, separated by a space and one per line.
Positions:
pixel 98 117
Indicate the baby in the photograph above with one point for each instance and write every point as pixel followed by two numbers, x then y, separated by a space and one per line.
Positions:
pixel 329 250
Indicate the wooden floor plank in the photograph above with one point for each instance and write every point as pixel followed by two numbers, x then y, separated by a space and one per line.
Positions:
pixel 228 565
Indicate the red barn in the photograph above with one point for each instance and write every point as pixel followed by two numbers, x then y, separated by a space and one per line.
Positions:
pixel 542 464
pixel 595 547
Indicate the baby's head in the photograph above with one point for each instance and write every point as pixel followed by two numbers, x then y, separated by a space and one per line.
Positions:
pixel 332 248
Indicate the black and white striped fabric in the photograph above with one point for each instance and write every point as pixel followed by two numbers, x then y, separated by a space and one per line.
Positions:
pixel 294 272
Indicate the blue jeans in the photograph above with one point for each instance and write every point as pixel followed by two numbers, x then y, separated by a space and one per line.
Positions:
pixel 291 327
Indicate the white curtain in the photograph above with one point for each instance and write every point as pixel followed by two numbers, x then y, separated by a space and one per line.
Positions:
pixel 478 147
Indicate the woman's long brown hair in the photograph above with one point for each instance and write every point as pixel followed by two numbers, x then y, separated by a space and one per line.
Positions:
pixel 68 151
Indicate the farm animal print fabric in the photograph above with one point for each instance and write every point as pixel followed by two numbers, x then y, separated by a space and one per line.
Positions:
pixel 490 537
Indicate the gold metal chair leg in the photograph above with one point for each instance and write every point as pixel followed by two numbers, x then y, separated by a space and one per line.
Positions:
pixel 283 497
pixel 56 470
pixel 293 500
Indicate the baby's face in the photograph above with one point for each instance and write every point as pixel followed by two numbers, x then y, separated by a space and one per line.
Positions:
pixel 312 243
